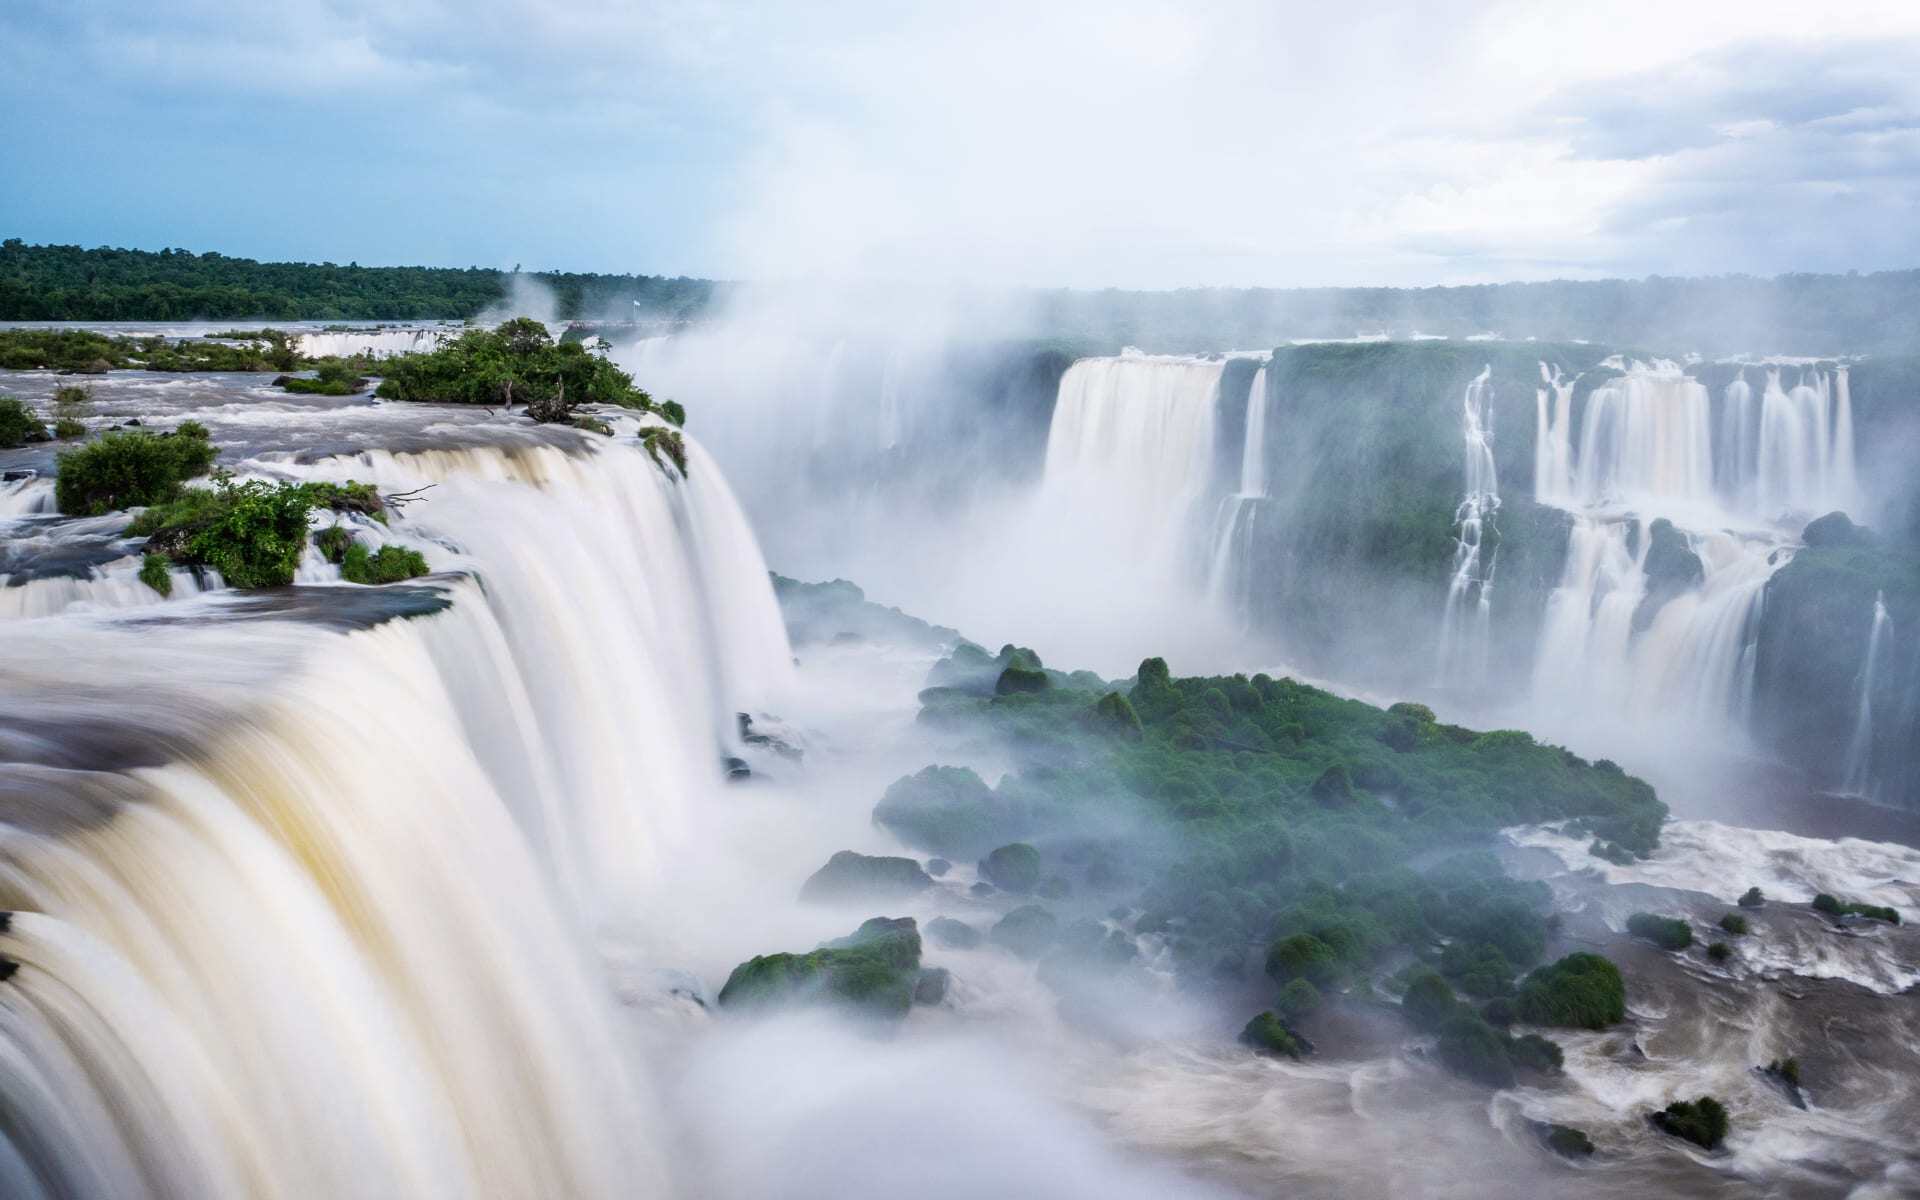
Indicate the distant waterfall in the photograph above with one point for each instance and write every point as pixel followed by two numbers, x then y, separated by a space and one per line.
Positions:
pixel 310 913
pixel 1859 764
pixel 1648 441
pixel 375 343
pixel 1130 451
pixel 1240 512
pixel 1619 644
pixel 1466 623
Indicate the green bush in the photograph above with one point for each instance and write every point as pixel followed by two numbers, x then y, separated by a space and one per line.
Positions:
pixel 1735 924
pixel 389 564
pixel 1303 956
pixel 67 428
pixel 253 533
pixel 515 363
pixel 1581 991
pixel 127 469
pixel 18 425
pixel 1834 907
pixel 1429 1001
pixel 1668 933
pixel 1297 999
pixel 1268 1034
pixel 1015 680
pixel 1753 897
pixel 155 573
pixel 1702 1122
pixel 1719 951
pixel 1469 1046
pixel 1114 714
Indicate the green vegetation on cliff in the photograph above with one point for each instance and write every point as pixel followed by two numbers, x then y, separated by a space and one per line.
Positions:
pixel 517 363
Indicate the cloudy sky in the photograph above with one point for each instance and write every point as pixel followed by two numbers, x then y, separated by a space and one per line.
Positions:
pixel 1130 143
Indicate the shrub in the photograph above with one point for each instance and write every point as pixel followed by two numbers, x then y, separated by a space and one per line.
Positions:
pixel 333 542
pixel 1015 680
pixel 349 497
pixel 1429 1001
pixel 1581 991
pixel 1303 956
pixel 1471 1047
pixel 1834 907
pixel 1531 1052
pixel 67 428
pixel 1334 787
pixel 253 533
pixel 1786 1070
pixel 1268 1034
pixel 671 410
pixel 1297 999
pixel 1702 1122
pixel 122 470
pixel 1114 714
pixel 389 564
pixel 155 573
pixel 18 425
pixel 1735 924
pixel 1753 897
pixel 1719 951
pixel 515 363
pixel 1668 933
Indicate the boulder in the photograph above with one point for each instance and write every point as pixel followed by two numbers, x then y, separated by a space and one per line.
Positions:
pixel 874 971
pixel 1028 931
pixel 1014 867
pixel 931 986
pixel 954 935
pixel 849 876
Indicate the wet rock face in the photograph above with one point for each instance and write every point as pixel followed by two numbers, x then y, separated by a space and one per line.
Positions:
pixel 1671 567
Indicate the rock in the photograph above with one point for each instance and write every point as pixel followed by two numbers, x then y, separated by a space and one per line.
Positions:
pixel 948 811
pixel 753 736
pixel 1014 867
pixel 954 935
pixel 1835 529
pixel 1671 568
pixel 1055 887
pixel 931 987
pixel 874 971
pixel 846 637
pixel 983 888
pixel 852 876
pixel 938 867
pixel 1027 931
pixel 736 768
pixel 1784 1073
pixel 1702 1122
pixel 1564 1140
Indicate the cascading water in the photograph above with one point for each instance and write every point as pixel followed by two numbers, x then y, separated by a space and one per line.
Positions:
pixel 259 866
pixel 375 343
pixel 1466 623
pixel 1680 643
pixel 1240 512
pixel 1859 764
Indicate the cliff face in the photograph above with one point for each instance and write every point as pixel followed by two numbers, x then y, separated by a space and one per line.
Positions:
pixel 1810 670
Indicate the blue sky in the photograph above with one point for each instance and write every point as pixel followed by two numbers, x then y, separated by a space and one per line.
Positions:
pixel 1126 143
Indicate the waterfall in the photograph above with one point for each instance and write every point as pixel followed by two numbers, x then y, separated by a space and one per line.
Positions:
pixel 1239 512
pixel 1553 438
pixel 303 911
pixel 1466 623
pixel 1859 763
pixel 1645 442
pixel 1130 453
pixel 1617 644
pixel 375 343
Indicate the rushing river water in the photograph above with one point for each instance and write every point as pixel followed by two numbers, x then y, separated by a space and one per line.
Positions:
pixel 425 890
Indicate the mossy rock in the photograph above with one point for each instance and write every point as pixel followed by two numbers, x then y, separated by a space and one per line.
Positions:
pixel 949 811
pixel 1014 867
pixel 954 935
pixel 1702 1122
pixel 851 876
pixel 1028 931
pixel 874 971
pixel 1566 1141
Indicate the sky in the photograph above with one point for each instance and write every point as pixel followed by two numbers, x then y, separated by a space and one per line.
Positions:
pixel 1082 143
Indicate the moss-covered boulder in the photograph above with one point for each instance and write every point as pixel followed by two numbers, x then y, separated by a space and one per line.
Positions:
pixel 1020 681
pixel 1014 867
pixel 954 935
pixel 1028 931
pixel 1566 1141
pixel 1581 991
pixel 873 971
pixel 850 876
pixel 949 811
